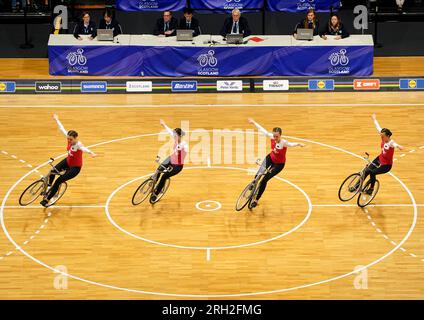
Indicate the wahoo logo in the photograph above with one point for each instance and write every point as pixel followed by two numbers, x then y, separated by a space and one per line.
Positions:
pixel 48 87
pixel 184 86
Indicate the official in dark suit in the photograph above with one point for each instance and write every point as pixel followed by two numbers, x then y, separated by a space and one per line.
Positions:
pixel 110 23
pixel 188 22
pixel 310 22
pixel 236 24
pixel 334 27
pixel 85 26
pixel 167 25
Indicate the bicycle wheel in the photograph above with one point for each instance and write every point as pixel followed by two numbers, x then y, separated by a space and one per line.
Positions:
pixel 142 192
pixel 59 194
pixel 31 193
pixel 245 196
pixel 162 193
pixel 364 198
pixel 350 187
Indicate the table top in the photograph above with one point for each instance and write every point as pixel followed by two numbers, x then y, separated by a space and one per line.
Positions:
pixel 202 40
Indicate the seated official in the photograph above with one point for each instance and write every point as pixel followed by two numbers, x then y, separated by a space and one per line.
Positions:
pixel 188 22
pixel 110 23
pixel 85 26
pixel 236 24
pixel 310 22
pixel 166 26
pixel 335 28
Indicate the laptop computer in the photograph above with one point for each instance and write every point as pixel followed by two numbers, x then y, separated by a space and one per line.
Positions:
pixel 305 34
pixel 234 38
pixel 184 35
pixel 104 35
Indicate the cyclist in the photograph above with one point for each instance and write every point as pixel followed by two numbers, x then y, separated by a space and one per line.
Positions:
pixel 71 164
pixel 383 163
pixel 275 160
pixel 175 160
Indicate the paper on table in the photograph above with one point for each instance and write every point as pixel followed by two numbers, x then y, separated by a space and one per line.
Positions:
pixel 85 37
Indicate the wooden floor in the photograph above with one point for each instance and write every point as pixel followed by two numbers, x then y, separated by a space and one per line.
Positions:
pixel 37 68
pixel 175 250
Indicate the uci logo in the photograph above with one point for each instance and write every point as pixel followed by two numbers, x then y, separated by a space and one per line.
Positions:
pixel 2 86
pixel 76 58
pixel 321 84
pixel 208 59
pixel 339 58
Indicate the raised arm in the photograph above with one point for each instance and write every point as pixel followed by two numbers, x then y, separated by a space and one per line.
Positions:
pixel 396 145
pixel 60 125
pixel 85 149
pixel 260 128
pixel 293 144
pixel 377 125
pixel 168 129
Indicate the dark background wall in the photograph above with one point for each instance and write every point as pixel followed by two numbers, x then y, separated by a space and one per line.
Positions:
pixel 397 38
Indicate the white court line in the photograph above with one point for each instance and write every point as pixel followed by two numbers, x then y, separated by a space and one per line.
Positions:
pixel 242 294
pixel 161 106
pixel 209 162
pixel 370 205
pixel 208 254
pixel 52 207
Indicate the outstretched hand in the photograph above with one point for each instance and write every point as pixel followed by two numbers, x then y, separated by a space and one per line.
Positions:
pixel 251 120
pixel 374 116
pixel 302 145
pixel 56 117
pixel 162 122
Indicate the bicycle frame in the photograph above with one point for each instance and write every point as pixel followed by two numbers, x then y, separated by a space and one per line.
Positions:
pixel 369 162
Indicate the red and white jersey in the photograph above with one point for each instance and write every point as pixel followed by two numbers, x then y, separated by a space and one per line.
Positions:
pixel 387 148
pixel 179 154
pixel 278 151
pixel 180 150
pixel 74 158
pixel 387 152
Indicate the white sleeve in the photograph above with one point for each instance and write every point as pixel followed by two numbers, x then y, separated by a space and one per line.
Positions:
pixel 184 146
pixel 377 125
pixel 263 130
pixel 290 144
pixel 169 130
pixel 62 128
pixel 393 144
pixel 83 149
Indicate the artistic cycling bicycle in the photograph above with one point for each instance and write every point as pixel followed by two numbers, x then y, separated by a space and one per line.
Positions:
pixel 251 191
pixel 41 188
pixel 147 187
pixel 355 183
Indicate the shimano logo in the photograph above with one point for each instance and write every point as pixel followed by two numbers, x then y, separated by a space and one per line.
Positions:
pixel 93 86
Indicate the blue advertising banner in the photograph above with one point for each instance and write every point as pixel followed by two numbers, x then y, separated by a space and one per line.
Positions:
pixel 94 60
pixel 303 5
pixel 150 5
pixel 226 5
pixel 328 61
